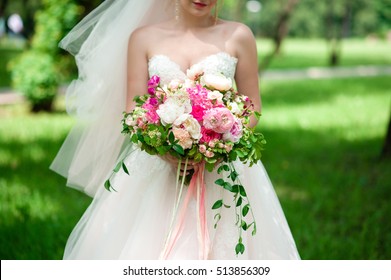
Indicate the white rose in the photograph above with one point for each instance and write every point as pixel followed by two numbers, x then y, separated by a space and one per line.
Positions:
pixel 234 108
pixel 190 124
pixel 217 81
pixel 216 95
pixel 194 72
pixel 174 84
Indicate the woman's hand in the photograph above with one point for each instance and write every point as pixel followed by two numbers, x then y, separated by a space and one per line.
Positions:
pixel 191 165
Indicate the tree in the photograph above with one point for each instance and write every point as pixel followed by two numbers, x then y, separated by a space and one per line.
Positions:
pixel 280 29
pixel 36 72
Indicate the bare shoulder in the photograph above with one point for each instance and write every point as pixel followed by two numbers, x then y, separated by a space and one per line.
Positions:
pixel 240 38
pixel 146 36
pixel 238 31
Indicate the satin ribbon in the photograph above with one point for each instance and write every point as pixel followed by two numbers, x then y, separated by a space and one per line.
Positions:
pixel 196 188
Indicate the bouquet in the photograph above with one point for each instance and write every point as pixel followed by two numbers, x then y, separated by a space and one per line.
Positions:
pixel 205 121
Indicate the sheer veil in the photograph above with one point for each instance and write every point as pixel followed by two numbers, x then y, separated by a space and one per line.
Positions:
pixel 97 98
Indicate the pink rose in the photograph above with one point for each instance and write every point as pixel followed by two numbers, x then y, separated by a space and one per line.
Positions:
pixel 202 149
pixel 209 154
pixel 220 120
pixel 208 135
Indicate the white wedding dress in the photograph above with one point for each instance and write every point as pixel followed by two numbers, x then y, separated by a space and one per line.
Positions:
pixel 132 223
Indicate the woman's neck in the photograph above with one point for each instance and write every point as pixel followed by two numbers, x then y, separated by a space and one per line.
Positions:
pixel 186 21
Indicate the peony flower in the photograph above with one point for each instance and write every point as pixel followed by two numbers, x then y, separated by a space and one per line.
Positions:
pixel 219 120
pixel 183 136
pixel 172 109
pixel 217 81
pixel 190 124
pixel 235 133
pixel 194 72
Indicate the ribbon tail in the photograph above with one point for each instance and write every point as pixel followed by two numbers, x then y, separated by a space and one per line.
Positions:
pixel 202 226
pixel 181 218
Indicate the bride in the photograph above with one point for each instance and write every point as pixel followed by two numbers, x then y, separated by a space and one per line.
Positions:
pixel 118 47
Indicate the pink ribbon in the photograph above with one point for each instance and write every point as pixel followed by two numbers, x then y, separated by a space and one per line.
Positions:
pixel 196 188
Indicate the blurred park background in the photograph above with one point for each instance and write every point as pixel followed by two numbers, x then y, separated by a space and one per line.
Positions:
pixel 325 74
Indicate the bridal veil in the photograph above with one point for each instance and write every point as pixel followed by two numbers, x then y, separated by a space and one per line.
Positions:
pixel 97 97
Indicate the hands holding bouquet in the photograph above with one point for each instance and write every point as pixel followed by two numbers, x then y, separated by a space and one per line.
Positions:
pixel 202 121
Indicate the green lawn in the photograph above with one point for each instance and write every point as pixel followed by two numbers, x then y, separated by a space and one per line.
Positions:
pixel 324 139
pixel 303 53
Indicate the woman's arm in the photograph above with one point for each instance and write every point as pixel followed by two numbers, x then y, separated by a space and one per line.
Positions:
pixel 137 67
pixel 246 76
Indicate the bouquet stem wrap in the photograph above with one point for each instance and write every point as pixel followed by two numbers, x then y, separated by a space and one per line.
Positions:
pixel 196 188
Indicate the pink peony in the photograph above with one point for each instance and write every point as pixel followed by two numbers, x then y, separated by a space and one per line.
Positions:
pixel 219 120
pixel 235 133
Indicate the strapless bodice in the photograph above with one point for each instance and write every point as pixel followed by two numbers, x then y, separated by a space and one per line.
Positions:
pixel 167 69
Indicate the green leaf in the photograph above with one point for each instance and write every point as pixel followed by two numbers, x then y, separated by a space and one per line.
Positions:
pixel 243 225
pixel 220 182
pixel 245 210
pixel 217 217
pixel 234 175
pixel 171 137
pixel 125 168
pixel 239 248
pixel 217 204
pixel 117 167
pixel 107 185
pixel 209 166
pixel 228 186
pixel 240 200
pixel 222 168
pixel 254 232
pixel 178 149
pixel 242 191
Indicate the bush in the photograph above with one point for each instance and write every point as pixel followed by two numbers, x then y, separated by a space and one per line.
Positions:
pixel 36 72
pixel 35 75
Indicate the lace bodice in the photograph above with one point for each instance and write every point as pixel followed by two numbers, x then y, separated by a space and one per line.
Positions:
pixel 168 70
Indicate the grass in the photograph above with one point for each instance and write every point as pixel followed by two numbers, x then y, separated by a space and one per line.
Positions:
pixel 324 139
pixel 303 53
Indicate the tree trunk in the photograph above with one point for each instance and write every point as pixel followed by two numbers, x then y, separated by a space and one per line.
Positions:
pixel 280 32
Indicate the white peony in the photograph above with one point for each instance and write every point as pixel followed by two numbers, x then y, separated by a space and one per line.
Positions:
pixel 217 81
pixel 190 124
pixel 194 72
pixel 172 109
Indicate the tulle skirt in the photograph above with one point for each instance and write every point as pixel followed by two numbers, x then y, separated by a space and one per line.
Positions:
pixel 133 221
